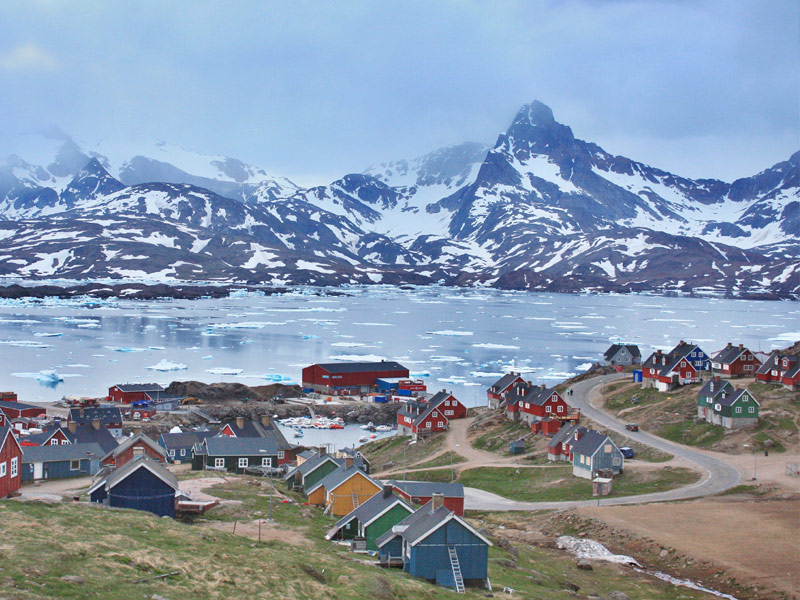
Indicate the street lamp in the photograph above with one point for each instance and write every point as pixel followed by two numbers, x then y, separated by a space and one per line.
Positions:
pixel 755 455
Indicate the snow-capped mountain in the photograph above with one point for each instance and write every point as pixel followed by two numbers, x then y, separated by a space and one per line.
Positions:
pixel 541 209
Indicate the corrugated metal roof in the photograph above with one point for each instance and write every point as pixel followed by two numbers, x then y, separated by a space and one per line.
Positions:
pixel 359 367
pixel 223 445
pixel 61 452
pixel 428 488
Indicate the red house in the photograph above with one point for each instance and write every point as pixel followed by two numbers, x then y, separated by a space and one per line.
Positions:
pixel 496 394
pixel 421 492
pixel 548 427
pixel 349 378
pixel 781 368
pixel 735 361
pixel 14 410
pixel 421 418
pixel 530 404
pixel 449 405
pixel 132 392
pixel 134 447
pixel 560 447
pixel 10 461
pixel 680 366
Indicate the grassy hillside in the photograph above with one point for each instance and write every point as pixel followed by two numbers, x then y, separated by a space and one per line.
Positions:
pixel 110 550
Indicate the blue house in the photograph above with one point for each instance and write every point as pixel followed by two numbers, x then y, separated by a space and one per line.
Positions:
pixel 436 544
pixel 141 484
pixel 60 461
pixel 594 451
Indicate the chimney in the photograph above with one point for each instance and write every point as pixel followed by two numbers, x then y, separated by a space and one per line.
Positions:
pixel 437 501
pixel 741 347
pixel 240 422
pixel 72 426
pixel 681 343
pixel 80 413
pixel 658 352
pixel 728 346
pixel 444 391
pixel 717 377
pixel 96 424
pixel 137 429
pixel 322 450
pixel 387 490
pixel 544 387
pixel 348 462
pixel 265 420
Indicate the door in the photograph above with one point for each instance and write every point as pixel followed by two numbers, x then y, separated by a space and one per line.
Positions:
pixel 37 470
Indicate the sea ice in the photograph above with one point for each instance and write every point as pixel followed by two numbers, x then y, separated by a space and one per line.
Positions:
pixel 166 365
pixel 450 332
pixel 46 334
pixel 224 371
pixel 496 346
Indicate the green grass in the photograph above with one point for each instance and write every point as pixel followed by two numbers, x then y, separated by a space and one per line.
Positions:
pixel 692 433
pixel 397 451
pixel 442 461
pixel 497 439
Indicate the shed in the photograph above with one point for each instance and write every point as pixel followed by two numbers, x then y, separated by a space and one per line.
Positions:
pixel 141 484
pixel 601 486
pixel 516 447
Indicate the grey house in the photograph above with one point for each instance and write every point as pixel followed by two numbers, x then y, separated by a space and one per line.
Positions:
pixel 595 451
pixel 623 354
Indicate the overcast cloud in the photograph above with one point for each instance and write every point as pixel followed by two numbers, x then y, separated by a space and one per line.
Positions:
pixel 313 90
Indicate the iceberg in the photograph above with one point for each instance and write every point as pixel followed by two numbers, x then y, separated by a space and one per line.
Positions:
pixel 166 365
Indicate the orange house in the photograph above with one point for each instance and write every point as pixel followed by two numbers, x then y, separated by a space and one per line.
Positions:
pixel 343 490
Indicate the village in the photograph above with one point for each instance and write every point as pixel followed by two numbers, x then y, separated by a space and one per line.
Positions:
pixel 403 514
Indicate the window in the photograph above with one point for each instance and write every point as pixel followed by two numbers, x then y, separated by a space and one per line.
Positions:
pixel 752 409
pixel 266 461
pixel 738 409
pixel 560 408
pixel 448 413
pixel 748 367
pixel 2 469
pixel 243 462
pixel 219 463
pixel 54 442
pixel 717 407
pixel 435 414
pixel 64 442
pixel 281 454
pixel 74 465
pixel 607 448
pixel 441 423
pixel 172 453
pixel 683 363
pixel 138 451
pixel 652 371
pixel 548 409
pixel 15 466
pixel 183 451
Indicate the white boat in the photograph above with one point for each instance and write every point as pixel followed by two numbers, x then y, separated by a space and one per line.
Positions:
pixel 383 428
pixel 298 433
pixel 368 425
pixel 363 438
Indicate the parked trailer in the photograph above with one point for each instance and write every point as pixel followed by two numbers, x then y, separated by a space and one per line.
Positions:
pixel 187 510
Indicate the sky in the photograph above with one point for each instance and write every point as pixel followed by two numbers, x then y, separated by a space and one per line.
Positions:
pixel 316 89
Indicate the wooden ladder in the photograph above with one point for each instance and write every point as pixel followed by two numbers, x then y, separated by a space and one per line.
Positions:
pixel 356 501
pixel 454 564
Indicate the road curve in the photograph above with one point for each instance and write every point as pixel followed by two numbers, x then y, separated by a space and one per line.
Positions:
pixel 717 476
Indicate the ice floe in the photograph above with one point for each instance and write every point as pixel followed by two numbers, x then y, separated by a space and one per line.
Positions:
pixel 224 371
pixel 489 346
pixel 25 344
pixel 166 365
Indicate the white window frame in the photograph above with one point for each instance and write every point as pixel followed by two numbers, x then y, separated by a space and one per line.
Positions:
pixel 183 451
pixel 560 408
pixel 448 413
pixel 266 461
pixel 64 442
pixel 752 409
pixel 72 465
pixel 3 469
pixel 548 408
pixel 441 423
pixel 281 454
pixel 244 462
pixel 14 466
pixel 219 463
pixel 172 452
pixel 54 442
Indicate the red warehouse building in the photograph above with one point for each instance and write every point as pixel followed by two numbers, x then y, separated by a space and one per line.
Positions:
pixel 15 410
pixel 133 392
pixel 349 378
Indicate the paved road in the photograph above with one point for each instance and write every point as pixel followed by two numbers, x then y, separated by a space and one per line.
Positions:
pixel 717 475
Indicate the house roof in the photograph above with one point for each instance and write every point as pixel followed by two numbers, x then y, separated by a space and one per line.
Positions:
pixel 39 438
pixel 141 462
pixel 16 405
pixel 336 478
pixel 404 525
pixel 425 409
pixel 371 509
pixel 729 354
pixel 424 489
pixel 61 452
pixel 255 428
pixel 505 381
pixel 671 358
pixel 106 414
pixel 185 439
pixel 87 434
pixel 430 521
pixel 139 437
pixel 362 367
pixel 222 445
pixel 311 464
pixel 5 434
pixel 563 434
pixel 589 442
pixel 139 387
pixel 731 399
pixel 615 348
pixel 713 388
pixel 439 397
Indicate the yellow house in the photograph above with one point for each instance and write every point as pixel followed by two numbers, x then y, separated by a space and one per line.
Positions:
pixel 343 490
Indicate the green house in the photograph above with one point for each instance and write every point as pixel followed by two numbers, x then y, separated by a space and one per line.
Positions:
pixel 312 470
pixel 234 455
pixel 707 397
pixel 735 410
pixel 372 519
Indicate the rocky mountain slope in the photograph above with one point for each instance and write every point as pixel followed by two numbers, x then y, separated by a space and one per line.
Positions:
pixel 540 210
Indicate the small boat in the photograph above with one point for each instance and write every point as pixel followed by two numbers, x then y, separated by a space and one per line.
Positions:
pixel 298 433
pixel 336 426
pixel 363 438
pixel 383 428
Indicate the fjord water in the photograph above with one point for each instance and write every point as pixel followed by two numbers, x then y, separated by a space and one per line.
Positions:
pixel 462 340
